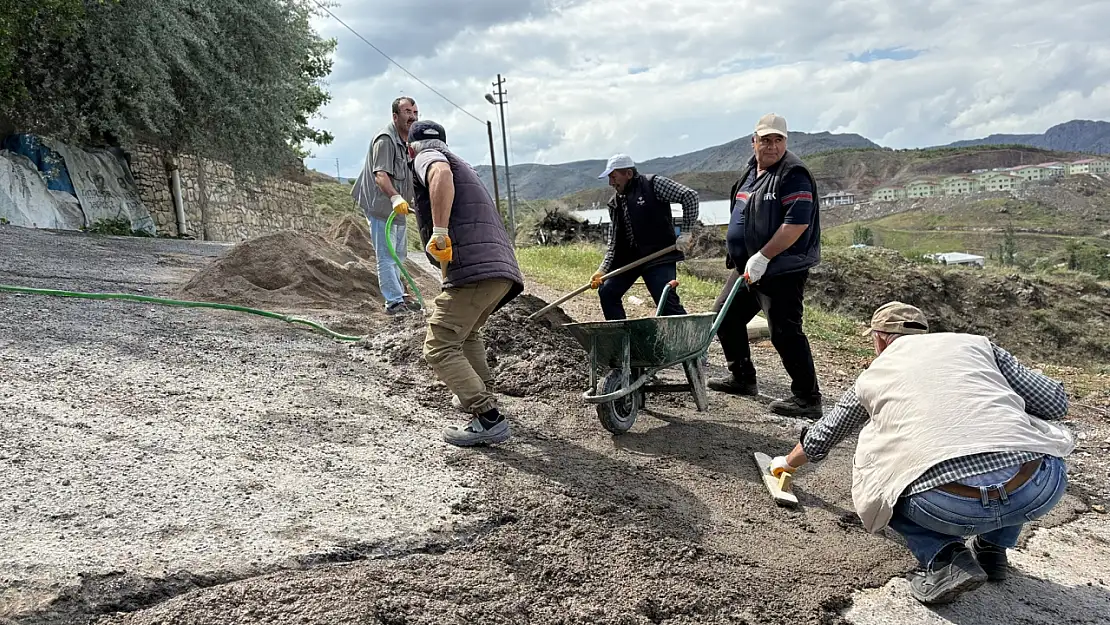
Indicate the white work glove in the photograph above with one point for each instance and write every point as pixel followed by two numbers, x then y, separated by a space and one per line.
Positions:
pixel 685 242
pixel 756 267
pixel 779 465
pixel 400 205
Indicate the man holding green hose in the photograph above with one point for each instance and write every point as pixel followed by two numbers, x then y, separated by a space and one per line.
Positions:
pixel 464 236
pixel 385 185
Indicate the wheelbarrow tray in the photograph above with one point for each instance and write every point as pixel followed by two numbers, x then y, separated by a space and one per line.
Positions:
pixel 653 342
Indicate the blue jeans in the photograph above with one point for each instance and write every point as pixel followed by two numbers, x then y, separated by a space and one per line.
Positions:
pixel 931 520
pixel 611 292
pixel 389 275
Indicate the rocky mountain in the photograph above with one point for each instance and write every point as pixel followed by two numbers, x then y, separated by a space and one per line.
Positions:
pixel 535 182
pixel 1078 135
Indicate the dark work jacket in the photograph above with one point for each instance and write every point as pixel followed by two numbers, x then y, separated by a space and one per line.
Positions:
pixel 482 250
pixel 764 214
pixel 651 222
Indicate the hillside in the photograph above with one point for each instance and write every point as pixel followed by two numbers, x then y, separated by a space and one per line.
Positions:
pixel 1067 222
pixel 1063 319
pixel 1078 135
pixel 534 181
pixel 861 170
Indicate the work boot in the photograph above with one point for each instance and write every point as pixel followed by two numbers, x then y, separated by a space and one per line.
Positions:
pixel 729 384
pixel 953 572
pixel 477 433
pixel 992 558
pixel 396 308
pixel 797 407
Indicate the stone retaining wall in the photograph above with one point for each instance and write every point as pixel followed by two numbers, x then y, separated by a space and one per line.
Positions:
pixel 221 204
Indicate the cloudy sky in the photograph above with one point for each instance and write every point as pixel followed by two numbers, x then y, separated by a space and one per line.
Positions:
pixel 587 78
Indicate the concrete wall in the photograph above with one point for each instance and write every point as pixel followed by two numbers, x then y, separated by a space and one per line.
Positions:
pixel 221 204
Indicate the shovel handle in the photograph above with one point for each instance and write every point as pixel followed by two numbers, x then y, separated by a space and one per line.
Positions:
pixel 615 272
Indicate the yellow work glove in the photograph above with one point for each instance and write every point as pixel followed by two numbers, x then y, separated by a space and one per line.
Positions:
pixel 400 205
pixel 439 246
pixel 595 280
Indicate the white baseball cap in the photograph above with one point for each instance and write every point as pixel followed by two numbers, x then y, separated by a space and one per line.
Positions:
pixel 771 124
pixel 617 161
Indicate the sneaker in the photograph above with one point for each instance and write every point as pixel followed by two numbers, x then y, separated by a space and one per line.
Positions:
pixel 474 433
pixel 992 558
pixel 943 582
pixel 396 308
pixel 729 384
pixel 797 407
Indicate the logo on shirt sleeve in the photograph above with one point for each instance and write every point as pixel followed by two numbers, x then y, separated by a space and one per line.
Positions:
pixel 741 196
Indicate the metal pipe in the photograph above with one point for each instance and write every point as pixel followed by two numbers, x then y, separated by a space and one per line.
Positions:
pixel 178 201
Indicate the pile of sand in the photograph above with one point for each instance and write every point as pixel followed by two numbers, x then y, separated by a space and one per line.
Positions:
pixel 291 269
pixel 527 358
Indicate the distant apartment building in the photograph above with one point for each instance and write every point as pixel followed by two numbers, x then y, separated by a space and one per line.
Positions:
pixel 888 194
pixel 1031 173
pixel 838 198
pixel 1097 166
pixel 959 185
pixel 1055 169
pixel 999 181
pixel 922 188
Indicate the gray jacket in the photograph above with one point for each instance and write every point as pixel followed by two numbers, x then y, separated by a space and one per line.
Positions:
pixel 392 157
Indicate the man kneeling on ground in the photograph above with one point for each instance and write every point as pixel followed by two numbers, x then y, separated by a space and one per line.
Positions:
pixel 957 446
pixel 462 231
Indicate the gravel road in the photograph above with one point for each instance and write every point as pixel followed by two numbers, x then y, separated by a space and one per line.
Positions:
pixel 166 465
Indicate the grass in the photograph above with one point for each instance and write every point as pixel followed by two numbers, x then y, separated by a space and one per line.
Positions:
pixel 567 267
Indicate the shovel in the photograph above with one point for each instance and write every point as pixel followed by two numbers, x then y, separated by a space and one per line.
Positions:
pixel 615 272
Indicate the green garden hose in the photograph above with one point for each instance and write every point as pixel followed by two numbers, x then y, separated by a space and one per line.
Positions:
pixel 393 253
pixel 252 311
pixel 174 302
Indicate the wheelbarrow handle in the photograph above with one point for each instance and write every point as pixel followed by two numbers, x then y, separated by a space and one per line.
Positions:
pixel 615 272
pixel 672 285
pixel 740 281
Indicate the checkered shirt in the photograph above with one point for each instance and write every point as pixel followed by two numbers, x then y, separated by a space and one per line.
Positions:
pixel 1044 398
pixel 666 190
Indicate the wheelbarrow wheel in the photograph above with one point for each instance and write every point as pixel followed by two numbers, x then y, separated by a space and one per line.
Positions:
pixel 618 416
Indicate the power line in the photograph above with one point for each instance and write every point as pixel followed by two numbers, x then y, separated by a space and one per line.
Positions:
pixel 390 59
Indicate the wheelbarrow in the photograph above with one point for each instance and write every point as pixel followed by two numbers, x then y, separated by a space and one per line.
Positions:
pixel 632 351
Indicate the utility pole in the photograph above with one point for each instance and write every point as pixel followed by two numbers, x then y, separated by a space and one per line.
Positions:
pixel 493 165
pixel 338 176
pixel 500 102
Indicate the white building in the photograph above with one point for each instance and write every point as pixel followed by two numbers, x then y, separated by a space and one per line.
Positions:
pixel 838 198
pixel 958 258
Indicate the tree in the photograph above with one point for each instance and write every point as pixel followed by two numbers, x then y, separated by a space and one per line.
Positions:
pixel 1007 250
pixel 235 80
pixel 862 235
pixel 27 30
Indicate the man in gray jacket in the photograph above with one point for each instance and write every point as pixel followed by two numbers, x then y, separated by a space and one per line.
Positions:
pixel 464 236
pixel 384 187
pixel 957 442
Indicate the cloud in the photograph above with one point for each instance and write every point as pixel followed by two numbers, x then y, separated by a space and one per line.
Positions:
pixel 587 78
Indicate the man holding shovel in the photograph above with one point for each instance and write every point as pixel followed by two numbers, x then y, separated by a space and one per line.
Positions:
pixel 640 224
pixel 464 236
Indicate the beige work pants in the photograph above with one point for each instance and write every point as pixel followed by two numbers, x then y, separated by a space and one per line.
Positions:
pixel 452 346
